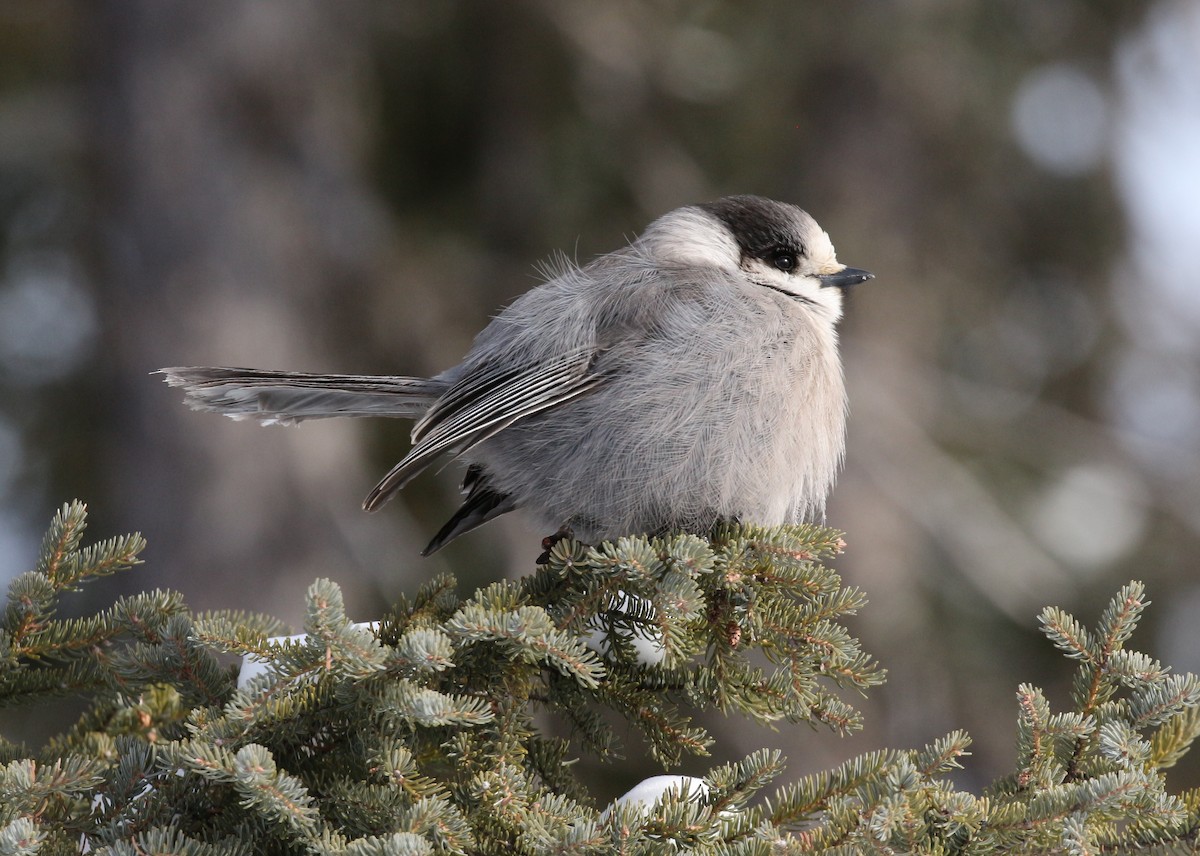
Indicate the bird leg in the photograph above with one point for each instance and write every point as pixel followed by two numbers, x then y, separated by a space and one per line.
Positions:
pixel 550 540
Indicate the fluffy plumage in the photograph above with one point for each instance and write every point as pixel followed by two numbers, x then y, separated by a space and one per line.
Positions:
pixel 690 377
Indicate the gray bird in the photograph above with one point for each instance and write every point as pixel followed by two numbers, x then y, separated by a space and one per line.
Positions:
pixel 690 377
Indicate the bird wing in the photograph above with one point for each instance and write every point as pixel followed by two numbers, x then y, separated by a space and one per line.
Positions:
pixel 481 505
pixel 485 401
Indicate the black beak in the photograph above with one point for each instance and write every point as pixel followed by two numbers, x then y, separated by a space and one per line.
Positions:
pixel 845 278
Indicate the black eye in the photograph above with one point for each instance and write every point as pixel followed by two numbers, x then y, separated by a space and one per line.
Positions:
pixel 785 260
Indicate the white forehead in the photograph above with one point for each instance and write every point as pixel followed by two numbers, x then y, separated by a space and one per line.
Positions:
pixel 820 248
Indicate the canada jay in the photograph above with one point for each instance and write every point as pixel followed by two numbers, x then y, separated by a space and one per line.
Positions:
pixel 690 377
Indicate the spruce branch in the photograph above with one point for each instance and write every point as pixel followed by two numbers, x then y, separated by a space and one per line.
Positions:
pixel 1174 738
pixel 528 633
pixel 21 837
pixel 28 632
pixel 62 539
pixel 425 733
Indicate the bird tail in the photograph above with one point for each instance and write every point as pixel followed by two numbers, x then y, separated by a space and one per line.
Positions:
pixel 285 398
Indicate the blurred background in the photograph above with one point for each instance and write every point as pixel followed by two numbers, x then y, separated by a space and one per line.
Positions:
pixel 357 187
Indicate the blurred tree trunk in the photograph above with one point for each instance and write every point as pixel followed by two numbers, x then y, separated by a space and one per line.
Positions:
pixel 231 222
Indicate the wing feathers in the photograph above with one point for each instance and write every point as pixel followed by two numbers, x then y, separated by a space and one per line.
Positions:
pixel 481 505
pixel 483 405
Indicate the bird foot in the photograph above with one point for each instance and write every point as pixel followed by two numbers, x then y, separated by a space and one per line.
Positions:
pixel 550 540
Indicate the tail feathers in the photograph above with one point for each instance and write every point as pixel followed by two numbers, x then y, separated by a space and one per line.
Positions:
pixel 285 398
